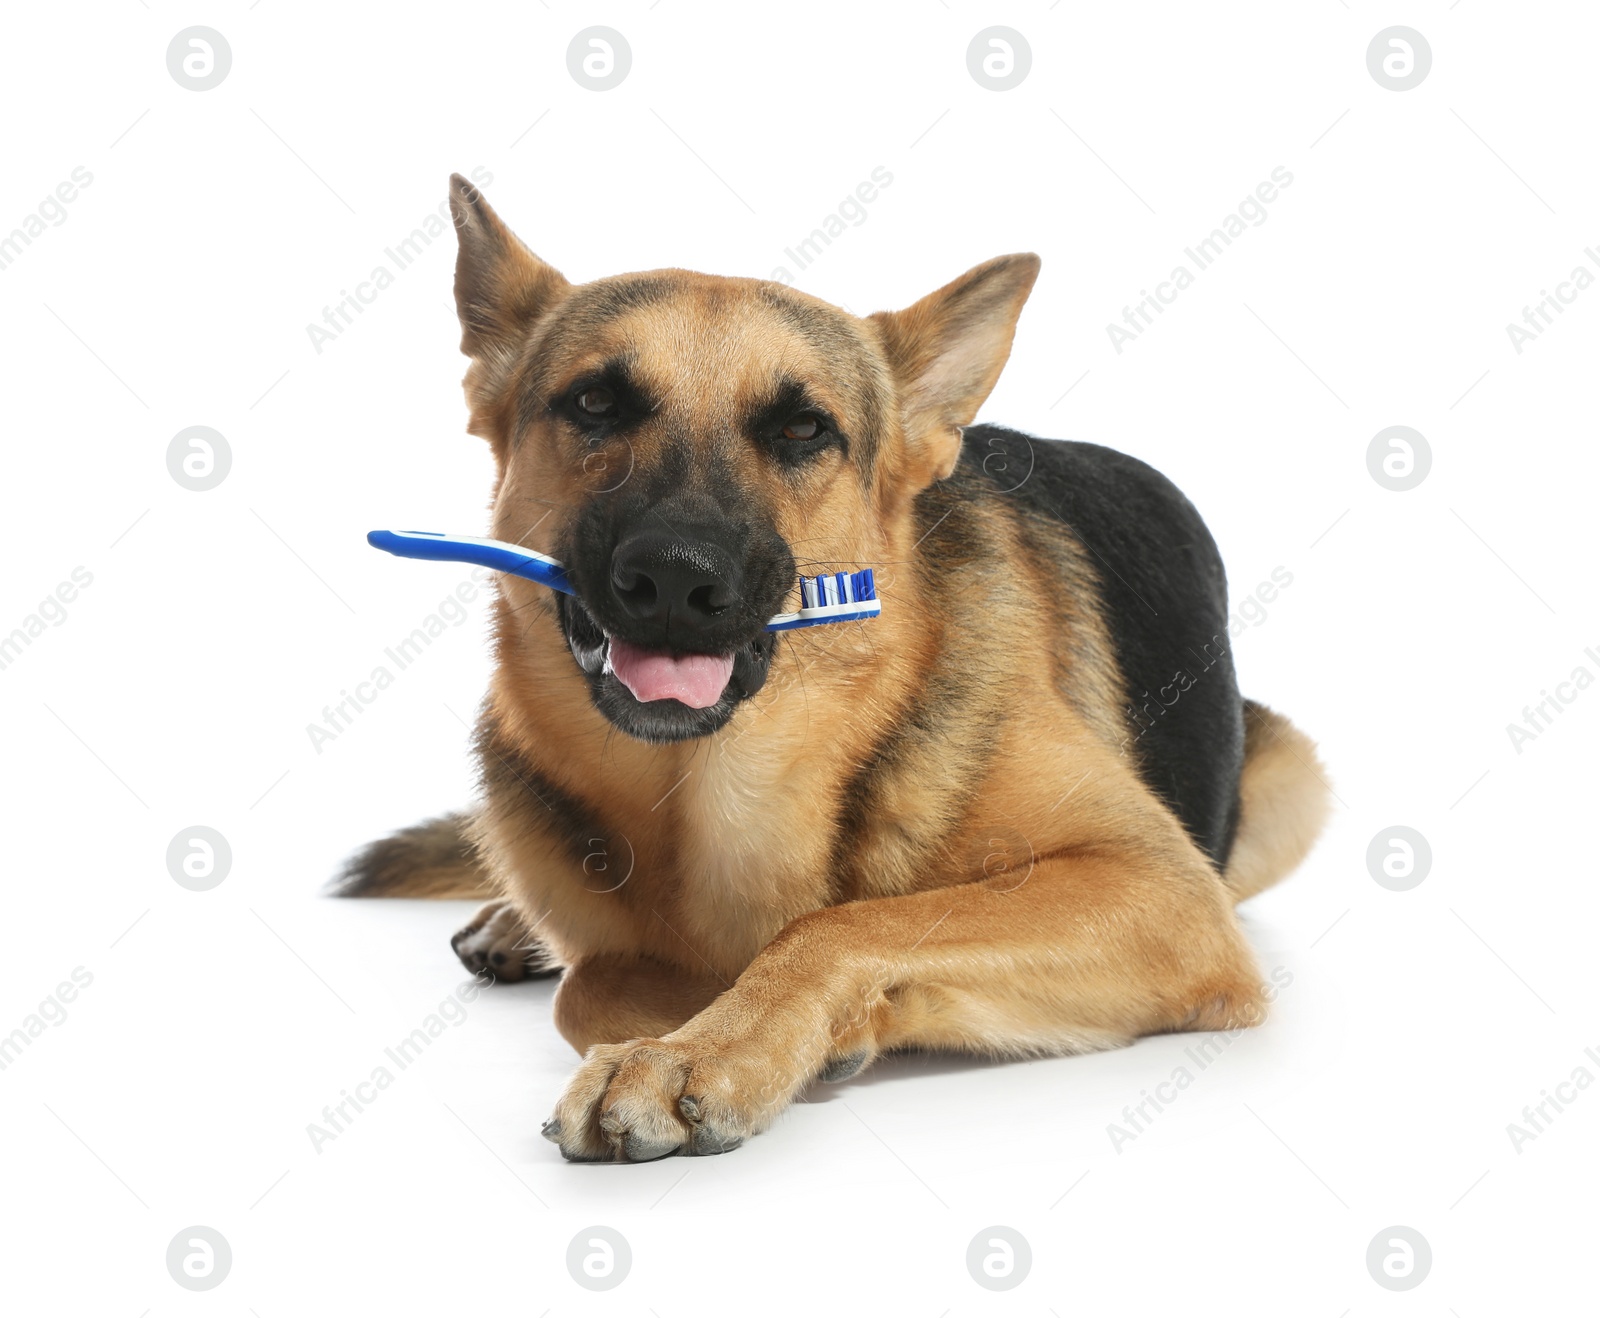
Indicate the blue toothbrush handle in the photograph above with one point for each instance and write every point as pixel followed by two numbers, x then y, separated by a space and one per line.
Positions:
pixel 495 554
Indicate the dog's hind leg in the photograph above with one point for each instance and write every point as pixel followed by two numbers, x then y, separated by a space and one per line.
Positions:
pixel 497 941
pixel 1283 802
pixel 438 859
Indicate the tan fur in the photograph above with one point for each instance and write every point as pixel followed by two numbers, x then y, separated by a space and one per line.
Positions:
pixel 1283 802
pixel 801 892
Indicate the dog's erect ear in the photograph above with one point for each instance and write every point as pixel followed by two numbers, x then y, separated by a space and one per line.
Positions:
pixel 501 287
pixel 946 352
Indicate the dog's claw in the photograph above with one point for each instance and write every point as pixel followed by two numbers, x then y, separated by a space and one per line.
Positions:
pixel 704 1139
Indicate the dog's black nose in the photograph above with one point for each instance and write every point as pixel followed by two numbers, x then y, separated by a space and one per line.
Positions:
pixel 678 586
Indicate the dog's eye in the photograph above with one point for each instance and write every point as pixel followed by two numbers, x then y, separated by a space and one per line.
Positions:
pixel 803 427
pixel 595 402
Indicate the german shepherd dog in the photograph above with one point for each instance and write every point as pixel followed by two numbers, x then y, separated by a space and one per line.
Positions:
pixel 1011 816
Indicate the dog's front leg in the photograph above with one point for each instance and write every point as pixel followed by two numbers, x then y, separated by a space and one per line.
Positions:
pixel 1087 951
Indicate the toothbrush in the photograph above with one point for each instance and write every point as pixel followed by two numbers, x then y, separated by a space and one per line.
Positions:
pixel 836 597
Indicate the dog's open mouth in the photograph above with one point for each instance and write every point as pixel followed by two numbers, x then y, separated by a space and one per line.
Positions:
pixel 663 695
pixel 695 680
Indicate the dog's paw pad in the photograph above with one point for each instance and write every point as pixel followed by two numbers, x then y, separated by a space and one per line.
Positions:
pixel 635 1148
pixel 842 1068
pixel 708 1140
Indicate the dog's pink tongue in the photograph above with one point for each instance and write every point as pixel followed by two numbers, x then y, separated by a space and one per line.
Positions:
pixel 697 680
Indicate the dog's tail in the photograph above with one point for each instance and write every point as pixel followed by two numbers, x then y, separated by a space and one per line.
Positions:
pixel 1283 802
pixel 432 859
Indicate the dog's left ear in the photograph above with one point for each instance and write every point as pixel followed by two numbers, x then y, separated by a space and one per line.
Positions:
pixel 946 352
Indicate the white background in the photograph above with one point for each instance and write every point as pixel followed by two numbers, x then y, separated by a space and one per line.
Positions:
pixel 219 624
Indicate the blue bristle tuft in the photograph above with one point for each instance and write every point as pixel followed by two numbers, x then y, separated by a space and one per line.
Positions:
pixel 829 589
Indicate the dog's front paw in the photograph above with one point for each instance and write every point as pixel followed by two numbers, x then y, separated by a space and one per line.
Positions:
pixel 648 1098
